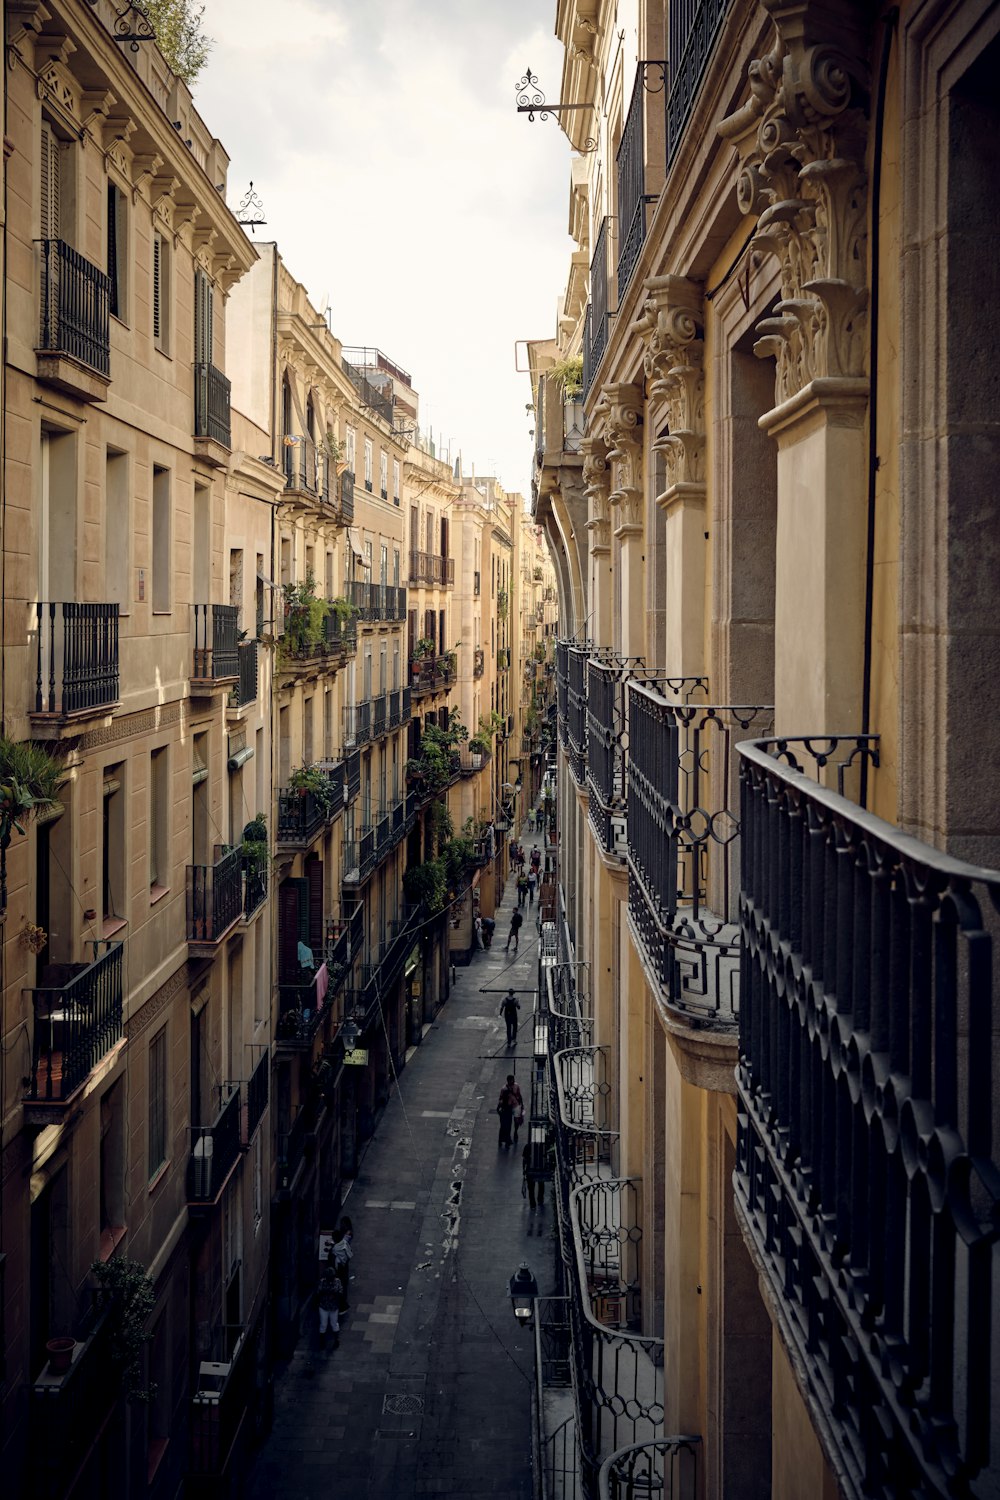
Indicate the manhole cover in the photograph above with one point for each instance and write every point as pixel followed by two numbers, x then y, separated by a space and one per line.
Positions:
pixel 402 1406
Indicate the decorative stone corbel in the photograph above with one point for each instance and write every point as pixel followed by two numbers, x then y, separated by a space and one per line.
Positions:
pixel 670 326
pixel 597 484
pixel 802 137
pixel 621 409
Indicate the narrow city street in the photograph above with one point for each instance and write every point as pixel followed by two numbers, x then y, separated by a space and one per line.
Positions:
pixel 429 1392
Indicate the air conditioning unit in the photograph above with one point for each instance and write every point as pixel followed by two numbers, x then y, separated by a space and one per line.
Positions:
pixel 619 836
pixel 202 1166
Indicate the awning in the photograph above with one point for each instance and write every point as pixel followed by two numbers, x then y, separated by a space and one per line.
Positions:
pixel 354 537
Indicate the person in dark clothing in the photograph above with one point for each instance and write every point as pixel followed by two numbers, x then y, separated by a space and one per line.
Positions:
pixel 505 1109
pixel 515 929
pixel 523 885
pixel 514 1089
pixel 509 1007
pixel 488 925
pixel 534 1188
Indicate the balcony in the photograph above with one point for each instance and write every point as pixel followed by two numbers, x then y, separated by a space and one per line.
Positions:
pixel 359 857
pixel 432 674
pixel 665 1467
pixel 215 1150
pixel 67 1412
pixel 212 435
pixel 586 1143
pixel 693 28
pixel 431 569
pixel 306 468
pixel 633 200
pixel 247 683
pixel 255 1096
pixel 347 496
pixel 867 1172
pixel 304 810
pixel 214 900
pixel 216 648
pixel 478 662
pixel 358 723
pixel 598 311
pixel 74 352
pixel 503 659
pixel 298 1144
pixel 76 660
pixel 683 848
pixel 377 603
pixel 576 712
pixel 470 761
pixel 376 397
pixel 559 428
pixel 340 635
pixel 309 999
pixel 78 1021
pixel 380 716
pixel 352 771
pixel 226 1393
pixel 254 890
pixel 605 710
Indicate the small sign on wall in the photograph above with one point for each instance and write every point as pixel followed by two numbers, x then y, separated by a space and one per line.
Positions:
pixel 142 585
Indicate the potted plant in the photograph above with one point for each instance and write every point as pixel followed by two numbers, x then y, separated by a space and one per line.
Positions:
pixel 478 747
pixel 569 374
pixel 254 850
pixel 304 615
pixel 312 779
pixel 60 1352
pixel 423 648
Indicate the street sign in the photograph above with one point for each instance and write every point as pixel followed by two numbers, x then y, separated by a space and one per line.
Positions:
pixel 356 1058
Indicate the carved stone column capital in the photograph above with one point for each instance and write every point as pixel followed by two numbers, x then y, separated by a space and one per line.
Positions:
pixel 671 325
pixel 802 137
pixel 620 412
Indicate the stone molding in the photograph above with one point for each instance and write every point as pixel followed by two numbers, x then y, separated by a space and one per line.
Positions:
pixel 802 137
pixel 671 327
pixel 597 485
pixel 619 415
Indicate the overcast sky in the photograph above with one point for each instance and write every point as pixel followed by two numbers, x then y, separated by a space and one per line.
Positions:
pixel 400 183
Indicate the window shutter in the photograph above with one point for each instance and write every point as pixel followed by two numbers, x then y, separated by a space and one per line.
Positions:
pixel 203 319
pixel 314 877
pixel 113 245
pixel 157 275
pixel 49 154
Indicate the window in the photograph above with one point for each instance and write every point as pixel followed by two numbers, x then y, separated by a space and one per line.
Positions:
pixel 113 848
pixel 157 1106
pixel 258 1178
pixel 117 530
pixel 352 446
pixel 384 561
pixel 369 464
pixel 53 159
pixel 204 319
pixel 368 561
pixel 117 250
pixel 383 473
pixel 161 293
pixel 112 1168
pixel 395 481
pixel 161 569
pixel 395 567
pixel 159 819
pixel 199 800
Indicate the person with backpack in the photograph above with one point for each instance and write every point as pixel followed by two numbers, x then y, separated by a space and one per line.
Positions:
pixel 523 887
pixel 509 1007
pixel 515 928
pixel 505 1109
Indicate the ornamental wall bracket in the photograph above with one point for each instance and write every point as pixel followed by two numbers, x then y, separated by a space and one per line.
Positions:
pixel 670 326
pixel 802 137
pixel 531 101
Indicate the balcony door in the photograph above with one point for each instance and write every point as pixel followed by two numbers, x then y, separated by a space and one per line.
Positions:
pixel 57 520
pixel 204 319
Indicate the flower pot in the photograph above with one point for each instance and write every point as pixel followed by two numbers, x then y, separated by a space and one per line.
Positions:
pixel 60 1352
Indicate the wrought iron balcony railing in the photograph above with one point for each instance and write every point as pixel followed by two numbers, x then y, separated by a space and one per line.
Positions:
pixel 374 397
pixel 562 687
pixel 215 1149
pixel 431 568
pixel 576 711
pixel 255 1096
pixel 254 889
pixel 599 309
pixel 65 1410
pixel 215 898
pixel 867 1168
pixel 683 829
pixel 301 815
pixel 297 1143
pixel 217 1416
pixel 588 344
pixel 352 771
pixel 377 602
pixel 380 715
pixel 78 1019
pixel 586 1141
pixel 428 674
pixel 340 634
pixel 75 307
pixel 212 413
pixel 216 643
pixel 307 467
pixel 664 1469
pixel 358 722
pixel 359 857
pixel 693 27
pixel 633 198
pixel 77 658
pixel 245 690
pixel 619 1370
pixel 306 1001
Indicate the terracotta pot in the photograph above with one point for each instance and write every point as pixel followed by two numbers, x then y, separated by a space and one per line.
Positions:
pixel 60 1352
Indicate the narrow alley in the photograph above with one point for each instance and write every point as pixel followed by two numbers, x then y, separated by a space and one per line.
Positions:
pixel 429 1392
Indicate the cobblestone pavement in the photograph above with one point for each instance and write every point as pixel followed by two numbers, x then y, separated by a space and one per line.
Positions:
pixel 429 1393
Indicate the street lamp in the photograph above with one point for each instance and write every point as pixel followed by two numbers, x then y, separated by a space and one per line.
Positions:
pixel 523 1291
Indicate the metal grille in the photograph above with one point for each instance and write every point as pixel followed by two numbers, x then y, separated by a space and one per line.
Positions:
pixel 599 298
pixel 693 28
pixel 631 164
pixel 75 307
pixel 402 1406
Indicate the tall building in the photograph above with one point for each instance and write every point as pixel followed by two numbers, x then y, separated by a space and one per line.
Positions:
pixel 770 978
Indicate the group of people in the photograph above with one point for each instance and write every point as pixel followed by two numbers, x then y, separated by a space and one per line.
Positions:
pixel 510 1110
pixel 332 1292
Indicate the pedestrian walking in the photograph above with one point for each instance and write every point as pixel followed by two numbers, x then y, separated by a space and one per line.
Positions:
pixel 505 1109
pixel 509 1007
pixel 523 887
pixel 515 850
pixel 488 926
pixel 341 1256
pixel 515 928
pixel 531 820
pixel 536 858
pixel 328 1304
pixel 529 1182
pixel 515 1092
pixel 532 881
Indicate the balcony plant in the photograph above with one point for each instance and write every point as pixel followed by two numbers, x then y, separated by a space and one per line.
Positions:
pixel 129 1292
pixel 569 374
pixel 312 779
pixel 423 648
pixel 253 850
pixel 343 609
pixel 29 780
pixel 502 604
pixel 427 883
pixel 305 612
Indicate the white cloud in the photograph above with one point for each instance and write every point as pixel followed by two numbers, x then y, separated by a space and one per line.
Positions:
pixel 398 179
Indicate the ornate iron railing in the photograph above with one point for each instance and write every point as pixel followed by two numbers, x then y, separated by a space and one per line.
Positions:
pixel 214 1149
pixel 77 657
pixel 631 164
pixel 358 722
pixel 683 827
pixel 301 815
pixel 606 745
pixel 75 307
pixel 599 310
pixel 431 568
pixel 665 1469
pixel 588 339
pixel 562 676
pixel 586 1143
pixel 216 632
pixel 212 412
pixel 306 467
pixel 256 1093
pixel 693 27
pixel 380 715
pixel 867 1171
pixel 339 634
pixel 214 896
pixel 77 1023
pixel 619 1371
pixel 576 711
